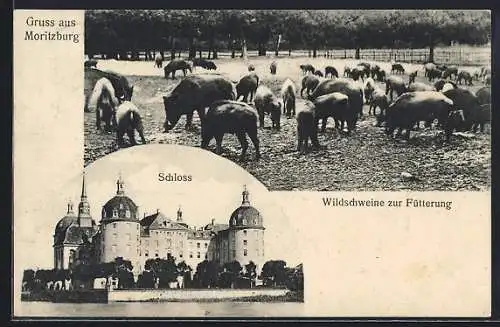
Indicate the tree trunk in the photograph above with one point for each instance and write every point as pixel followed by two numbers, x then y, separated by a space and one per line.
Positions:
pixel 172 49
pixel 309 53
pixel 356 56
pixel 315 52
pixel 179 53
pixel 289 52
pixel 277 52
pixel 244 53
pixel 262 50
pixel 214 56
pixel 192 50
pixel 431 53
pixel 199 53
pixel 135 55
pixel 209 52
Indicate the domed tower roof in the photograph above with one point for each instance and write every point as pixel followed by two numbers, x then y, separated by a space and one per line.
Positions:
pixel 245 216
pixel 63 224
pixel 119 207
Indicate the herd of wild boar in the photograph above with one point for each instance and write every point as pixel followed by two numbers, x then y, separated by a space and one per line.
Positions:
pixel 241 108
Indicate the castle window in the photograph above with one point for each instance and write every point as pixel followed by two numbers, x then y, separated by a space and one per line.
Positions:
pixel 127 214
pixel 190 254
pixel 206 256
pixel 234 253
pixel 115 213
pixel 146 253
pixel 244 221
pixel 198 256
pixel 245 242
pixel 115 235
pixel 156 254
pixel 245 232
pixel 180 255
pixel 245 252
pixel 206 245
pixel 198 245
pixel 164 223
pixel 168 233
pixel 121 205
pixel 169 243
pixel 114 225
pixel 71 256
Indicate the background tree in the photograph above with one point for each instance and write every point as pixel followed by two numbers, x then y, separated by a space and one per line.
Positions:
pixel 185 271
pixel 295 278
pixel 123 271
pixel 206 274
pixel 116 33
pixel 163 269
pixel 251 272
pixel 273 273
pixel 233 269
pixel 29 279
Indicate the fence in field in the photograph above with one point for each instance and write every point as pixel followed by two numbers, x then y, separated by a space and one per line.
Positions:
pixel 450 56
pixel 466 56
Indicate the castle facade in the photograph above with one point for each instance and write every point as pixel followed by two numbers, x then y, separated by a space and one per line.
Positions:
pixel 121 232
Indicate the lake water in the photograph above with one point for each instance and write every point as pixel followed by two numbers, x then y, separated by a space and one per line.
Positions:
pixel 163 309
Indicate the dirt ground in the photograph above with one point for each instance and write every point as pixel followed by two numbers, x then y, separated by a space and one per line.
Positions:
pixel 365 161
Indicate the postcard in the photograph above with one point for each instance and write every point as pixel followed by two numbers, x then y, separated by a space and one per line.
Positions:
pixel 251 163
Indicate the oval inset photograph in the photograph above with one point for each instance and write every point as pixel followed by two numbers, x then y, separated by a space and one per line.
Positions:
pixel 160 231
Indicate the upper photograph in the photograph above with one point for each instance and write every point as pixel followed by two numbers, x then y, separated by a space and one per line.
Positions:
pixel 304 100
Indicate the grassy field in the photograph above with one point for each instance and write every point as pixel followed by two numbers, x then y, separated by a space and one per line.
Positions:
pixel 366 161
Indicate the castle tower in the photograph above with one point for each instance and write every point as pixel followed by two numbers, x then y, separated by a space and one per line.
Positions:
pixel 84 218
pixel 179 215
pixel 120 229
pixel 71 231
pixel 63 245
pixel 245 234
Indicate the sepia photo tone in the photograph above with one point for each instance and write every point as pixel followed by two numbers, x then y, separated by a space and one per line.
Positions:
pixel 146 231
pixel 394 251
pixel 408 93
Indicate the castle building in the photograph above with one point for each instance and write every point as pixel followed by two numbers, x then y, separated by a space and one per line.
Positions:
pixel 123 233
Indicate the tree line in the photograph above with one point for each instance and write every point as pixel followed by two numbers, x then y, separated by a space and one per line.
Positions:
pixel 160 273
pixel 124 33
